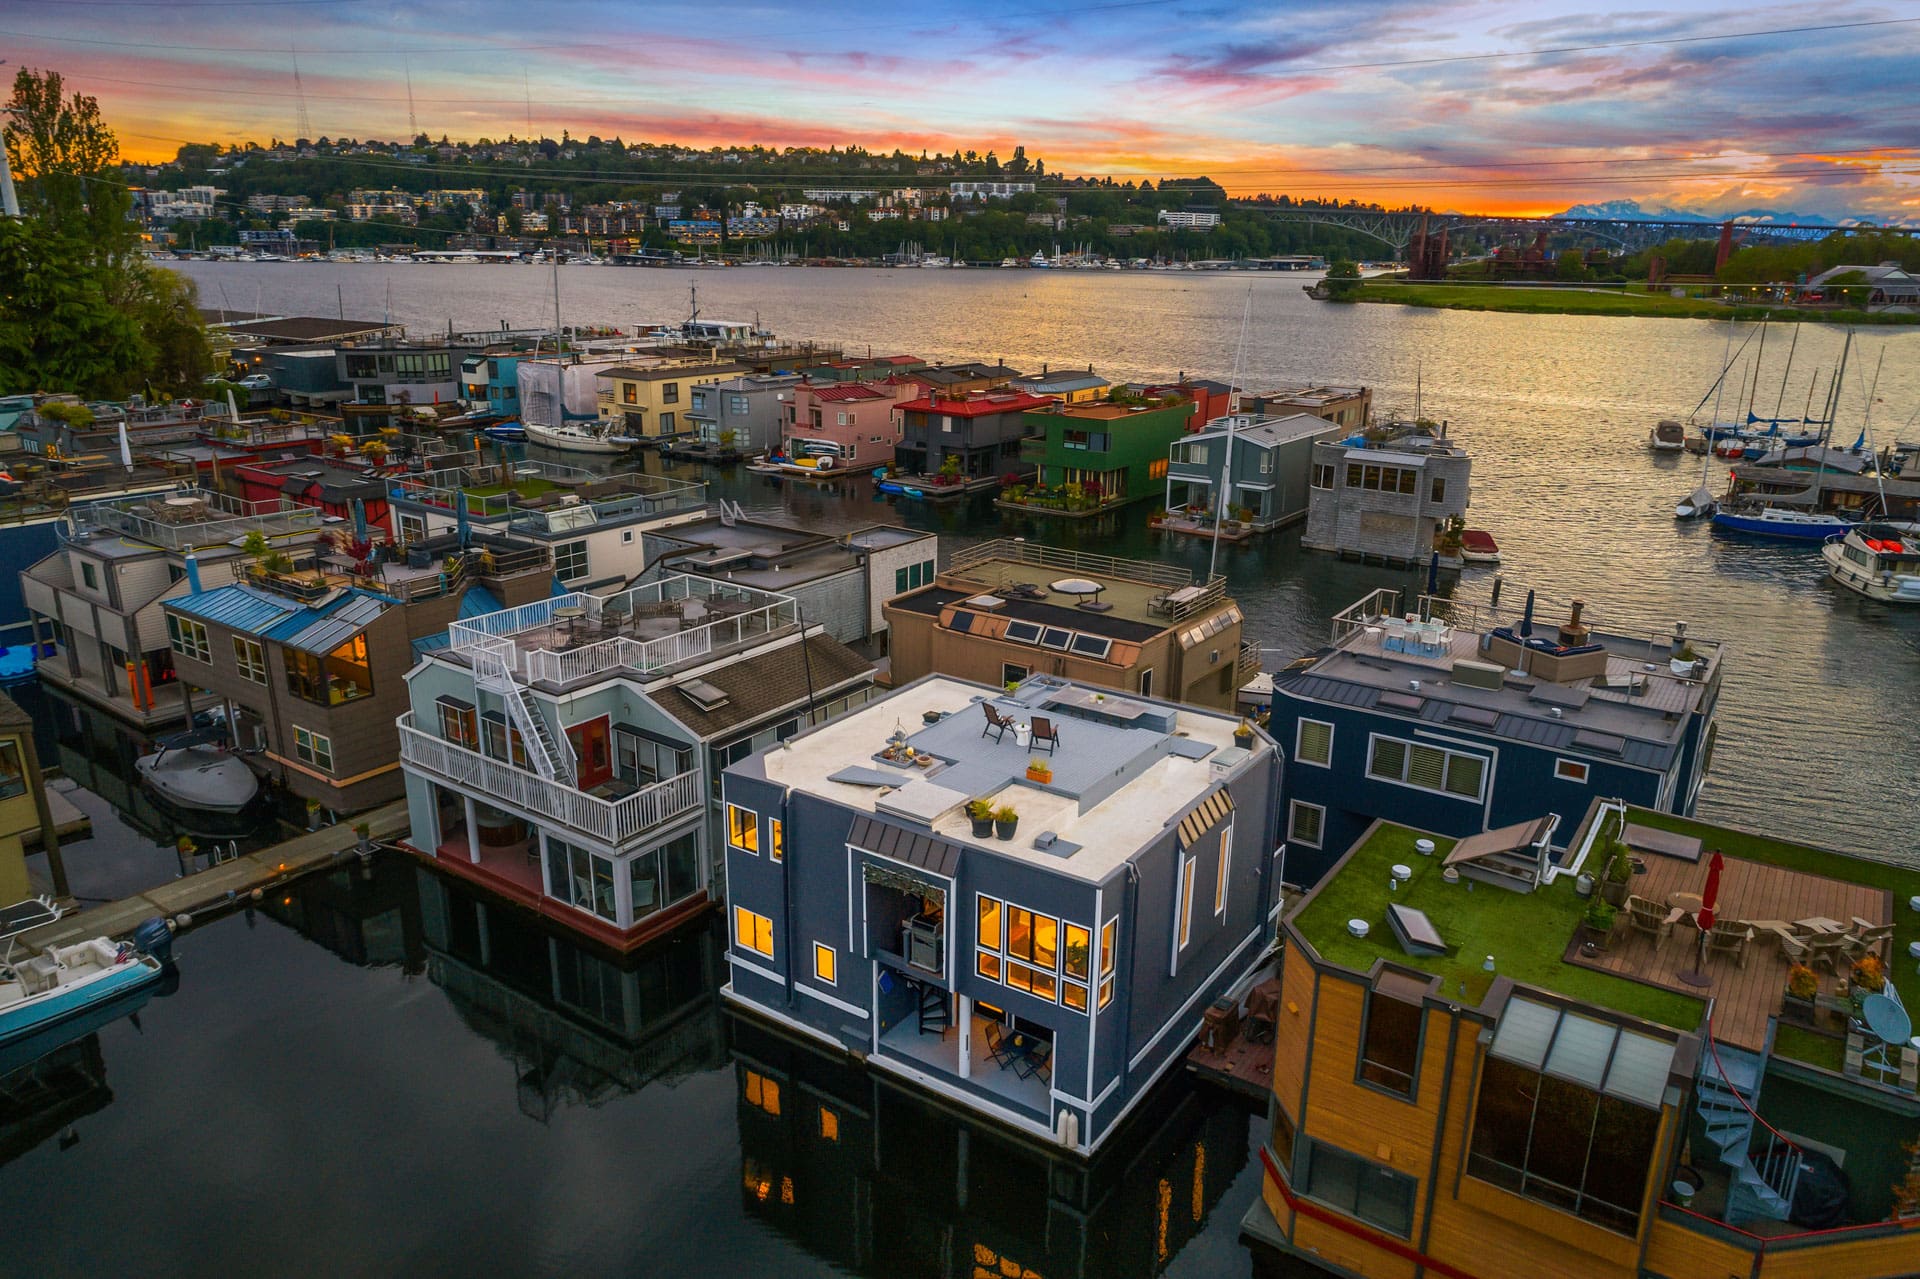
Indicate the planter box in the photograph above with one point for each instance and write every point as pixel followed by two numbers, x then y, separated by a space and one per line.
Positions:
pixel 1796 1010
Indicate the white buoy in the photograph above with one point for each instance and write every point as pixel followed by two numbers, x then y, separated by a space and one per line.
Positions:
pixel 183 920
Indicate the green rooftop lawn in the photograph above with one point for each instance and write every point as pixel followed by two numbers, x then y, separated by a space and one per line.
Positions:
pixel 523 487
pixel 1902 881
pixel 1802 1044
pixel 1526 933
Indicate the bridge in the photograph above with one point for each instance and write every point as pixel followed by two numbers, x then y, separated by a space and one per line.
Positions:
pixel 1626 234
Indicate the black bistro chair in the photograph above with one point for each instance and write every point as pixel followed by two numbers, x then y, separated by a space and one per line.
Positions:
pixel 1045 734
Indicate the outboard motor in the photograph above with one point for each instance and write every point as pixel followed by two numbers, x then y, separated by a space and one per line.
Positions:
pixel 154 938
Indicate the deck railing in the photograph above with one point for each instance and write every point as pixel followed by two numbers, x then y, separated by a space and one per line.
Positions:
pixel 611 821
pixel 219 519
pixel 1024 552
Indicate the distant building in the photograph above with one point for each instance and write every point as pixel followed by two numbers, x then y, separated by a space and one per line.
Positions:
pixel 742 415
pixel 853 423
pixel 651 403
pixel 832 195
pixel 988 190
pixel 694 230
pixel 1386 498
pixel 1887 284
pixel 1117 453
pixel 1347 406
pixel 1272 462
pixel 1189 219
pixel 982 430
pixel 1069 386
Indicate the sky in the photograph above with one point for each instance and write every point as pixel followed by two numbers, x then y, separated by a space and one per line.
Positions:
pixel 1492 106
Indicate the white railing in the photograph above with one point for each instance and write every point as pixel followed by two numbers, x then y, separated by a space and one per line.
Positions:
pixel 1023 552
pixel 611 821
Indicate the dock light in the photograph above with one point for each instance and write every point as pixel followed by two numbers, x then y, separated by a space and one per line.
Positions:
pixel 283 865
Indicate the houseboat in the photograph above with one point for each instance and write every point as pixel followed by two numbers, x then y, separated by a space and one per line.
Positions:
pixel 1880 560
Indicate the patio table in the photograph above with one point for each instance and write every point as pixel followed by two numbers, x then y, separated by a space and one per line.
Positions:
pixel 1821 924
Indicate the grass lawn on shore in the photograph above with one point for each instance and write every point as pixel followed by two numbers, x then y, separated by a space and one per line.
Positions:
pixel 1595 300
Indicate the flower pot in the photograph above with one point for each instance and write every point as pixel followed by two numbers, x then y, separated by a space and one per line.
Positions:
pixel 1004 830
pixel 982 827
pixel 1243 740
pixel 1614 892
pixel 1041 775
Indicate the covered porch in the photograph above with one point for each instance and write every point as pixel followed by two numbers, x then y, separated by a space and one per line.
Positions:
pixel 1007 1063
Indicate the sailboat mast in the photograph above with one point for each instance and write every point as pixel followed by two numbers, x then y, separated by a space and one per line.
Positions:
pixel 1759 356
pixel 1233 417
pixel 1833 412
pixel 1791 348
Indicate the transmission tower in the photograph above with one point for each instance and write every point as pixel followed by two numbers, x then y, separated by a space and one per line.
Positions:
pixel 302 128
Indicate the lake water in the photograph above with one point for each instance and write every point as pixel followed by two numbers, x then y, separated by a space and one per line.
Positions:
pixel 378 1073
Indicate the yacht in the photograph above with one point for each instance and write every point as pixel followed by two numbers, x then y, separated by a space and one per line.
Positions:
pixel 1880 560
pixel 195 770
pixel 579 437
pixel 63 982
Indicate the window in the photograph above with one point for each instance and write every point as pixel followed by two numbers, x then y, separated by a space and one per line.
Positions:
pixel 570 561
pixel 1390 1043
pixel 1012 673
pixel 1146 682
pixel 829 1125
pixel 13 775
pixel 900 581
pixel 1282 1139
pixel 1187 865
pixel 581 879
pixel 1428 768
pixel 458 723
pixel 823 962
pixel 89 575
pixel 1439 490
pixel 1313 743
pixel 1223 872
pixel 188 638
pixel 1569 770
pixel 752 932
pixel 761 1091
pixel 669 392
pixel 343 675
pixel 629 393
pixel 1359 1187
pixel 626 537
pixel 1030 955
pixel 776 840
pixel 1306 823
pixel 666 424
pixel 743 828
pixel 501 740
pixel 1353 475
pixel 1107 938
pixel 314 749
pixel 1322 475
pixel 250 658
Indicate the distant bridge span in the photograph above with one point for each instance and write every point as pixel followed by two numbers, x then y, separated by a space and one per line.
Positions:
pixel 1396 229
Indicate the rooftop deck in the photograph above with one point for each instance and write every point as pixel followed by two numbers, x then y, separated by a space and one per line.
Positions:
pixel 640 632
pixel 192 518
pixel 1147 591
pixel 541 498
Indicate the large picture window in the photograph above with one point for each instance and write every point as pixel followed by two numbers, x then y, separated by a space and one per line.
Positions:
pixel 343 675
pixel 1428 768
pixel 1390 1041
pixel 1044 956
pixel 581 879
pixel 570 561
pixel 1359 1187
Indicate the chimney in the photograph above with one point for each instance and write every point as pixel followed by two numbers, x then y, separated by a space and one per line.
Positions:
pixel 1575 632
pixel 193 574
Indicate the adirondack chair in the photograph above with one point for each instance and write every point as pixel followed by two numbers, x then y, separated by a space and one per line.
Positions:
pixel 1651 918
pixel 1730 937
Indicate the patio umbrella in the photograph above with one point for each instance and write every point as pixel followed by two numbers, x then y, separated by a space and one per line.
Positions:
pixel 359 519
pixel 1710 897
pixel 1433 574
pixel 1526 618
pixel 460 516
pixel 126 450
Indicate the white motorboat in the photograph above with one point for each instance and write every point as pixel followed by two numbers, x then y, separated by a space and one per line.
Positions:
pixel 1667 436
pixel 1880 560
pixel 579 437
pixel 195 770
pixel 65 981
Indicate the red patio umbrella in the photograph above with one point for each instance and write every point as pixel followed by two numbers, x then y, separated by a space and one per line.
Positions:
pixel 1704 917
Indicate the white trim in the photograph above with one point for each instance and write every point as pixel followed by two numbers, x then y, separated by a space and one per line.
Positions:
pixel 1101 1100
pixel 1223 873
pixel 1093 986
pixel 824 998
pixel 1299 758
pixel 1478 798
pixel 817 948
pixel 752 967
pixel 1200 989
pixel 970 1101
pixel 1586 770
pixel 732 996
pixel 1301 803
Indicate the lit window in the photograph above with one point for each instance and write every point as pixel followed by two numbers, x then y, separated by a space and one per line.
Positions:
pixel 1223 872
pixel 752 932
pixel 990 923
pixel 743 828
pixel 1187 865
pixel 829 1125
pixel 250 658
pixel 1569 770
pixel 776 839
pixel 188 638
pixel 823 962
pixel 314 749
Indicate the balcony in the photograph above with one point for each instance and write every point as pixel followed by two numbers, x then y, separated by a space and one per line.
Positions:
pixel 613 822
pixel 192 518
pixel 642 632
pixel 541 497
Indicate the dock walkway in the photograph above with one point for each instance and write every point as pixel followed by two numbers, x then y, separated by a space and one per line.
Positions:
pixel 228 883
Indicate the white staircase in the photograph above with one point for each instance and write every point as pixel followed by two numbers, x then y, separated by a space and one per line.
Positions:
pixel 551 757
pixel 1727 1088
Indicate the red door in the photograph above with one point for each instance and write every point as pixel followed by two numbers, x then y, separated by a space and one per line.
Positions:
pixel 592 752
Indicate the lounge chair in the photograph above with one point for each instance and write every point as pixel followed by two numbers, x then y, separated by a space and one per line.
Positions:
pixel 1045 732
pixel 1794 950
pixel 1865 941
pixel 1730 937
pixel 997 724
pixel 1651 918
pixel 1829 948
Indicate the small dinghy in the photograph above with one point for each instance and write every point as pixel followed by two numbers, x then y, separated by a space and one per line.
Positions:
pixel 196 770
pixel 1695 505
pixel 1478 547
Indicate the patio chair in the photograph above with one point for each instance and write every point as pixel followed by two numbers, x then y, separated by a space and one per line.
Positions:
pixel 1828 948
pixel 1651 918
pixel 1865 941
pixel 1037 1061
pixel 997 724
pixel 997 1050
pixel 1045 732
pixel 1794 950
pixel 1730 937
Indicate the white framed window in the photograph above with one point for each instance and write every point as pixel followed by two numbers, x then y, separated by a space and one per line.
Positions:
pixel 570 560
pixel 1188 865
pixel 250 658
pixel 743 828
pixel 313 749
pixel 1306 824
pixel 1313 743
pixel 188 638
pixel 1570 770
pixel 1428 768
pixel 752 932
pixel 626 537
pixel 1223 872
pixel 1041 955
pixel 825 963
pixel 1109 933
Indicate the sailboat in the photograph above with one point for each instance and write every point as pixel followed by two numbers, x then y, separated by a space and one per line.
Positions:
pixel 576 434
pixel 1795 518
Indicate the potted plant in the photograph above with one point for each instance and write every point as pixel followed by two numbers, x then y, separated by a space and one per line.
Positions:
pixel 1243 736
pixel 1619 873
pixel 1869 976
pixel 1683 661
pixel 365 834
pixel 1006 820
pixel 1802 985
pixel 1598 921
pixel 980 813
pixel 1039 770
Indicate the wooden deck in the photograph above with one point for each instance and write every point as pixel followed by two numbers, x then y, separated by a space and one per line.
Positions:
pixel 1242 1065
pixel 1744 996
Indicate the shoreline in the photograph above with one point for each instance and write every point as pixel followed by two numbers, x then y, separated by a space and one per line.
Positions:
pixel 1601 300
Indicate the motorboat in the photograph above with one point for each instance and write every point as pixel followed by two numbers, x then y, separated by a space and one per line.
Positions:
pixel 578 437
pixel 1879 559
pixel 1695 505
pixel 1478 547
pixel 195 770
pixel 1667 436
pixel 64 982
pixel 505 432
pixel 28 915
pixel 1782 523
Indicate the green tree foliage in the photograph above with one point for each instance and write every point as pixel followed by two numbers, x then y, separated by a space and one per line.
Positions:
pixel 81 309
pixel 1343 280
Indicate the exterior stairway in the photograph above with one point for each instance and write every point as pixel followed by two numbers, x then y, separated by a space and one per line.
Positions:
pixel 1727 1087
pixel 551 758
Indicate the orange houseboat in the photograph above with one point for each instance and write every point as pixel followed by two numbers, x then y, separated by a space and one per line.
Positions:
pixel 1481 1073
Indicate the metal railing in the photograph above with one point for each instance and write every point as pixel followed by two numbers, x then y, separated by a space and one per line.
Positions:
pixel 611 821
pixel 608 497
pixel 200 517
pixel 1024 552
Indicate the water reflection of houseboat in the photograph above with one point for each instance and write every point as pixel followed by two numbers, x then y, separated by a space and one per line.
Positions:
pixel 579 1025
pixel 878 1179
pixel 367 911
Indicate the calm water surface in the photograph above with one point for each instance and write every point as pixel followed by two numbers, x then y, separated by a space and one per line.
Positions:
pixel 377 1073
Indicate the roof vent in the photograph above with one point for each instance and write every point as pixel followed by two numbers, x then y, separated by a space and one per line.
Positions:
pixel 704 695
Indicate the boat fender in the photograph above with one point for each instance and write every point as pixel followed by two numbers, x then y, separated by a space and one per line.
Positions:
pixel 154 937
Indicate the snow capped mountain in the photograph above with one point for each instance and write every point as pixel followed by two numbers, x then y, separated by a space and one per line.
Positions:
pixel 1631 211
